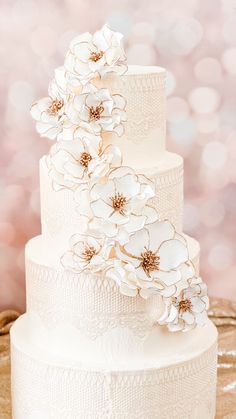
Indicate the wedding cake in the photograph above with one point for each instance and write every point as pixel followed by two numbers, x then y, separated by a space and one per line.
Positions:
pixel 116 323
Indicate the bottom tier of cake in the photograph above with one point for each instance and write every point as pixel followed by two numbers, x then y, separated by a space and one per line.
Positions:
pixel 180 383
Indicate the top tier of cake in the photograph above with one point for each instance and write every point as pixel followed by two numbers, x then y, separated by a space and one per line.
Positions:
pixel 144 90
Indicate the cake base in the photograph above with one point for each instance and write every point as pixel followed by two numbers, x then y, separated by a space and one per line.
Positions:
pixel 181 385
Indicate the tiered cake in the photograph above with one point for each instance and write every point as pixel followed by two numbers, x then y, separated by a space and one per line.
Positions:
pixel 116 322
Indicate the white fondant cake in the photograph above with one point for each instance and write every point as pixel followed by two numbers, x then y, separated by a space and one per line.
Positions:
pixel 58 208
pixel 145 117
pixel 174 378
pixel 117 331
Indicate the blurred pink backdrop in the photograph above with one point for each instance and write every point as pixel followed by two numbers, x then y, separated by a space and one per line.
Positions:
pixel 196 41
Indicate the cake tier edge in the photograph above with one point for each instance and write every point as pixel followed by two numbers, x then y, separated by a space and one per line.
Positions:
pixel 46 386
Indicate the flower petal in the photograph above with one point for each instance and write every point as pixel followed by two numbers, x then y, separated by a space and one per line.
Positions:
pixel 167 278
pixel 137 243
pixel 101 209
pixel 126 290
pixel 160 231
pixel 172 253
pixel 103 191
pixel 188 317
pixel 127 186
pixel 135 223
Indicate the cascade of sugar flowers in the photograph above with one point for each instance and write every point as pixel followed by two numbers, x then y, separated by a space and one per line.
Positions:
pixel 121 234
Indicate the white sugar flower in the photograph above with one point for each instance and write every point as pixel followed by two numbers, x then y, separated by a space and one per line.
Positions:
pixel 72 163
pixel 173 286
pixel 86 253
pixel 69 161
pixel 156 252
pixel 186 273
pixel 49 112
pixel 124 274
pixel 107 160
pixel 119 204
pixel 96 110
pixel 188 309
pixel 100 53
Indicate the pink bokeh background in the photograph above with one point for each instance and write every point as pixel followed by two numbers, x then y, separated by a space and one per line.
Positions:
pixel 196 41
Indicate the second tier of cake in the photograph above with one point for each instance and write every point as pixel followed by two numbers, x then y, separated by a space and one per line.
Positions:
pixel 59 208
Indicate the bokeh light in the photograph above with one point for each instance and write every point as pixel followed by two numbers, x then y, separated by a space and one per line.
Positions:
pixel 204 99
pixel 177 109
pixel 208 70
pixel 145 51
pixel 229 60
pixel 215 155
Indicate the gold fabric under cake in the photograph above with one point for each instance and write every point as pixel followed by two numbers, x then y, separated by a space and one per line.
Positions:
pixel 6 320
pixel 222 313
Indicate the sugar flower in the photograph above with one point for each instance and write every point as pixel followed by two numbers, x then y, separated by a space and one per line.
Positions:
pixel 49 112
pixel 86 253
pixel 156 253
pixel 119 204
pixel 97 110
pixel 72 163
pixel 90 55
pixel 188 309
pixel 186 272
pixel 124 274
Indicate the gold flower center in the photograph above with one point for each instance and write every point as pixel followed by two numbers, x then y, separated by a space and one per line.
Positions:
pixel 149 261
pixel 88 253
pixel 95 112
pixel 184 305
pixel 55 106
pixel 118 202
pixel 96 56
pixel 85 158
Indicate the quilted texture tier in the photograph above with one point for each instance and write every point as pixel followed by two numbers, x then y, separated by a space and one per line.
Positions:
pixel 59 209
pixel 93 304
pixel 178 379
pixel 145 130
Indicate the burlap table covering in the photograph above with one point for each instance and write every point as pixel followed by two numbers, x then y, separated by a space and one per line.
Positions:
pixel 223 314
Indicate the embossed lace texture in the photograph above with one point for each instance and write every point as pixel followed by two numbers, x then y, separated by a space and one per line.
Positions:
pixel 58 209
pixel 168 198
pixel 185 390
pixel 89 302
pixel 145 105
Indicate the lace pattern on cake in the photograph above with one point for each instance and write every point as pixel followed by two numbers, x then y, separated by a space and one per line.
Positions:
pixel 168 198
pixel 58 209
pixel 93 303
pixel 143 116
pixel 114 395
